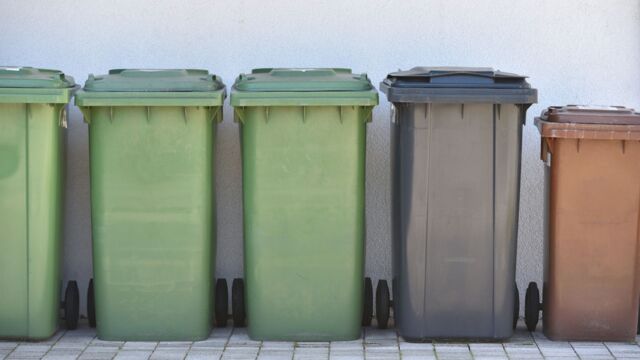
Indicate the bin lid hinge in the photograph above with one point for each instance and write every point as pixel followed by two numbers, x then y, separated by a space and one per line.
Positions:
pixel 266 114
pixel 304 114
pixel 111 114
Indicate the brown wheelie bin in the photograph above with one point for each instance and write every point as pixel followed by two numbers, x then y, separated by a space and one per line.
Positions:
pixel 592 202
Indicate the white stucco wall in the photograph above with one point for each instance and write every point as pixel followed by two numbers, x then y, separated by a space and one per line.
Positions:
pixel 575 51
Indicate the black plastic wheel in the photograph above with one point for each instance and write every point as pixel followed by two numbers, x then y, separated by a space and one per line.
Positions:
pixel 383 304
pixel 516 306
pixel 91 305
pixel 367 308
pixel 237 303
pixel 71 305
pixel 221 307
pixel 532 306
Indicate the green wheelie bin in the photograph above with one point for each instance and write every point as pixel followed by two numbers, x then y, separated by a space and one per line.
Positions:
pixel 152 136
pixel 303 134
pixel 33 106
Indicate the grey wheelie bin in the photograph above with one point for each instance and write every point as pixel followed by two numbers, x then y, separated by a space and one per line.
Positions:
pixel 455 152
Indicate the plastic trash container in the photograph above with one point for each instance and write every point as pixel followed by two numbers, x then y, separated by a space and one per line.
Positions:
pixel 151 136
pixel 591 273
pixel 303 137
pixel 33 106
pixel 455 154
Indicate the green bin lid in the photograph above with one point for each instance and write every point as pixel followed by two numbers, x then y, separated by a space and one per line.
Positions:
pixel 149 87
pixel 457 85
pixel 300 87
pixel 33 85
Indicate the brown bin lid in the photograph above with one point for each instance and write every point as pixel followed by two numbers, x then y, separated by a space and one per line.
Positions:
pixel 589 122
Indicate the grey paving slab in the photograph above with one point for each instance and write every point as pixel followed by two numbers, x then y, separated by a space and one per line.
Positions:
pixel 133 355
pixel 139 345
pixel 97 355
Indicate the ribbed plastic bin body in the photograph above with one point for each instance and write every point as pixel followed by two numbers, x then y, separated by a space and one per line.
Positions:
pixel 592 163
pixel 303 153
pixel 32 117
pixel 455 154
pixel 152 136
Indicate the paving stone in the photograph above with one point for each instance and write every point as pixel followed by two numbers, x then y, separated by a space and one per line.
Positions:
pixel 240 353
pixel 98 342
pixel 406 346
pixel 422 354
pixel 8 345
pixel 277 345
pixel 34 347
pixel 623 349
pixel 285 356
pixel 454 356
pixel 595 350
pixel 240 336
pixel 100 348
pixel 204 355
pixel 97 355
pixel 220 333
pixel 210 344
pixel 452 350
pixel 133 355
pixel 26 355
pixel 169 354
pixel 346 352
pixel 139 345
pixel 345 357
pixel 375 333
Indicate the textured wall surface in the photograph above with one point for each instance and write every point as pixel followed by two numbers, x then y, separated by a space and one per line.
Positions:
pixel 575 51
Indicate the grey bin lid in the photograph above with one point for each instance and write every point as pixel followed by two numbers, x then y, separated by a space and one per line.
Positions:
pixel 457 85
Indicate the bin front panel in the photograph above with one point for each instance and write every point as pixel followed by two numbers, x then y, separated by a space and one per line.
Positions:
pixel 152 216
pixel 303 179
pixel 455 199
pixel 591 278
pixel 30 208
